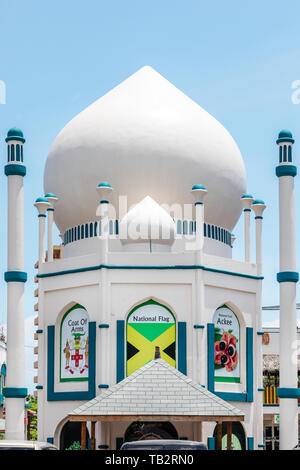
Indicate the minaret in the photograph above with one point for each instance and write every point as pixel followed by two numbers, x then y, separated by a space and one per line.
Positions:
pixel 52 199
pixel 42 204
pixel 103 189
pixel 287 278
pixel 15 392
pixel 199 192
pixel 246 201
pixel 258 207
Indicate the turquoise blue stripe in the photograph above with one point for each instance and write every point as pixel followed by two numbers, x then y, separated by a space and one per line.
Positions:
pixel 182 364
pixel 106 266
pixel 120 350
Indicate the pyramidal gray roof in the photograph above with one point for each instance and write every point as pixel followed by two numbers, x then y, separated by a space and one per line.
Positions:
pixel 157 389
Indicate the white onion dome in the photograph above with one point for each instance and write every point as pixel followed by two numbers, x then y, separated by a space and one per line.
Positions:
pixel 145 137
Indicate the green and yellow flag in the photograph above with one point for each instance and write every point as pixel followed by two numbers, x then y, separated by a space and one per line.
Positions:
pixel 149 325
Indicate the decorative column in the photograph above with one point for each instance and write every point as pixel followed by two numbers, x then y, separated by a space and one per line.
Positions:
pixel 42 205
pixel 199 192
pixel 258 207
pixel 104 190
pixel 52 200
pixel 287 278
pixel 15 391
pixel 246 201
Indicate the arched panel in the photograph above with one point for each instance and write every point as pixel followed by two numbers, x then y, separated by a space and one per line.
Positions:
pixel 227 345
pixel 74 344
pixel 150 324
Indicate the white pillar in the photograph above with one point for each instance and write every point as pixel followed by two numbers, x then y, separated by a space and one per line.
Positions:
pixel 246 201
pixel 288 391
pixel 52 200
pixel 258 207
pixel 199 192
pixel 103 189
pixel 15 391
pixel 42 205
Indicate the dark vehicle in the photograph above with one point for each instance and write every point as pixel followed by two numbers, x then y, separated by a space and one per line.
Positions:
pixel 164 444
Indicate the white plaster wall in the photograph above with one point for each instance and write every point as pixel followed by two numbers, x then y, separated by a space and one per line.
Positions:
pixel 124 289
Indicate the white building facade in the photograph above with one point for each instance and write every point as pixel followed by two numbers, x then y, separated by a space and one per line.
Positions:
pixel 146 188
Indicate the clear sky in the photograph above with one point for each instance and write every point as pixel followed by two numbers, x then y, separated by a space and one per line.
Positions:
pixel 238 60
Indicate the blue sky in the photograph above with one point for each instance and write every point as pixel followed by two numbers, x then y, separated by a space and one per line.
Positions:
pixel 236 60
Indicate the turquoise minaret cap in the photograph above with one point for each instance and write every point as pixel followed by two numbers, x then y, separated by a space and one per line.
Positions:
pixel 198 186
pixel 258 201
pixel 41 199
pixel 50 195
pixel 15 134
pixel 247 196
pixel 104 184
pixel 285 136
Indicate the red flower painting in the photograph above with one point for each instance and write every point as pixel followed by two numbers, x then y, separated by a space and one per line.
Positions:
pixel 226 352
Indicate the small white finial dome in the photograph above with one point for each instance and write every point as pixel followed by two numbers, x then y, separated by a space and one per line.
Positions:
pixel 147 221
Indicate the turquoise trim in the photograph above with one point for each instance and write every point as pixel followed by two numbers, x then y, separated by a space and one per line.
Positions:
pixel 50 209
pixel 261 445
pixel 211 443
pixel 15 169
pixel 14 392
pixel 247 196
pixel 104 201
pixel 260 333
pixel 210 357
pixel 15 276
pixel 286 170
pixel 104 184
pixel 198 186
pixel 199 203
pixel 120 374
pixel 199 326
pixel 247 210
pixel 182 363
pixel 15 137
pixel 249 364
pixel 78 395
pixel 51 195
pixel 258 217
pixel 258 201
pixel 42 215
pixel 103 325
pixel 103 446
pixel 39 387
pixel 42 199
pixel 250 443
pixel 103 386
pixel 50 440
pixel 106 266
pixel 260 389
pixel 288 276
pixel 39 331
pixel 288 392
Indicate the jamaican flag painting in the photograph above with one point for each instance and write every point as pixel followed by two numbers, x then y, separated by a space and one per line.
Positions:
pixel 149 325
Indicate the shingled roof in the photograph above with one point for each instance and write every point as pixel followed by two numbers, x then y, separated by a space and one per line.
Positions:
pixel 156 390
